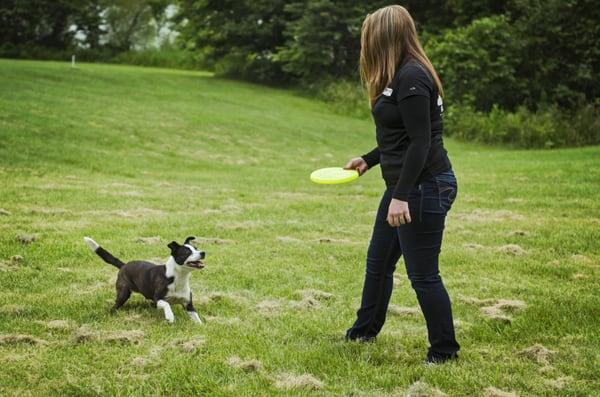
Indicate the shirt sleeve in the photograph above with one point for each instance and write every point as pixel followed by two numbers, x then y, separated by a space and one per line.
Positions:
pixel 417 121
pixel 414 81
pixel 372 158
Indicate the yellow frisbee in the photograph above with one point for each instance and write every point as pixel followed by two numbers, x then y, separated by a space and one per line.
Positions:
pixel 333 175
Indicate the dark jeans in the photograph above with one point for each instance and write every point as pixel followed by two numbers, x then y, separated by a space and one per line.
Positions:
pixel 420 242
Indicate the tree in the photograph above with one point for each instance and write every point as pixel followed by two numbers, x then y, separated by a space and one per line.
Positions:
pixel 238 38
pixel 132 22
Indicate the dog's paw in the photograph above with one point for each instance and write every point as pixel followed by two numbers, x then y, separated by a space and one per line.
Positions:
pixel 195 318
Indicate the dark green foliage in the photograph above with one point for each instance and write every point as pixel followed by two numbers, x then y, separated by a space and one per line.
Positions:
pixel 478 63
pixel 236 38
pixel 545 128
pixel 537 59
pixel 561 56
pixel 52 28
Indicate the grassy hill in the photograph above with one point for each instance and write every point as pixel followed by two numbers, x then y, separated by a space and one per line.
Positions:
pixel 138 157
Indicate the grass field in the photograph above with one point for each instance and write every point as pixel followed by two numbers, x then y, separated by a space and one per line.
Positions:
pixel 138 157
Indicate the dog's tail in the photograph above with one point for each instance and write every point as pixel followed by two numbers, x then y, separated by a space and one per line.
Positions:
pixel 102 253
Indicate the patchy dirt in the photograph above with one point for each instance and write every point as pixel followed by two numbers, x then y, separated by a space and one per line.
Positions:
pixel 496 315
pixel 251 365
pixel 288 381
pixel 494 392
pixel 212 240
pixel 268 306
pixel 422 389
pixel 517 233
pixel 559 383
pixel 331 240
pixel 150 359
pixel 539 353
pixel 579 258
pixel 60 324
pixel 288 239
pixel 580 276
pixel 315 294
pixel 512 249
pixel 223 320
pixel 220 296
pixel 498 311
pixel 16 339
pixel 403 311
pixel 149 240
pixel 306 303
pixel 27 238
pixel 85 334
pixel 476 301
pixel 191 345
pixel 128 336
pixel 473 246
pixel 513 200
pixel 13 309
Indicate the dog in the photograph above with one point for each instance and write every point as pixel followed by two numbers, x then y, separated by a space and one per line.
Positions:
pixel 163 284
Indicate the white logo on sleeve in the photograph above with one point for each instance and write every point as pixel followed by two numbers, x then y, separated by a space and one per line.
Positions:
pixel 412 88
pixel 440 103
pixel 388 91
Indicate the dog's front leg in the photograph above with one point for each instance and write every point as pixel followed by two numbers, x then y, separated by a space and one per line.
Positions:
pixel 191 311
pixel 164 305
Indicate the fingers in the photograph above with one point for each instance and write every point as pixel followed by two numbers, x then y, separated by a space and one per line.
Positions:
pixel 398 219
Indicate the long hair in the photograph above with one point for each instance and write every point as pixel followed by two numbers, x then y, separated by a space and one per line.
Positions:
pixel 388 38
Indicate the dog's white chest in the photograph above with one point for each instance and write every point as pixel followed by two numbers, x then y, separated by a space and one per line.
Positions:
pixel 179 290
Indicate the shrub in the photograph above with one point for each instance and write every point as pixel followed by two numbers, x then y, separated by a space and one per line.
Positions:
pixel 548 127
pixel 165 58
pixel 478 63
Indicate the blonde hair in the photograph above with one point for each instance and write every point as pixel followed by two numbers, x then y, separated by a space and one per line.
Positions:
pixel 388 38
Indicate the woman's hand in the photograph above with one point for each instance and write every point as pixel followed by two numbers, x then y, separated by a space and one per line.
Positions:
pixel 398 213
pixel 358 164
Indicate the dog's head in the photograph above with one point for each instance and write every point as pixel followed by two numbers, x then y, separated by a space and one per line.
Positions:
pixel 187 255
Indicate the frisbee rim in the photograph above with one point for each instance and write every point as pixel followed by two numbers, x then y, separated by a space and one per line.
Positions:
pixel 352 175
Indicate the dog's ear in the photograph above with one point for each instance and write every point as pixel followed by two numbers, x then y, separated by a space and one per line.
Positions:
pixel 187 240
pixel 173 245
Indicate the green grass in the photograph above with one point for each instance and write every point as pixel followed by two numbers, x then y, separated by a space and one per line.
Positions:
pixel 119 153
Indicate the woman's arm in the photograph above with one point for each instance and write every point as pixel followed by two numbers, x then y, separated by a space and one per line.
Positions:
pixel 372 158
pixel 364 162
pixel 417 121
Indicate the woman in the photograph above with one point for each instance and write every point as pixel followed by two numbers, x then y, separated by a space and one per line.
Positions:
pixel 405 96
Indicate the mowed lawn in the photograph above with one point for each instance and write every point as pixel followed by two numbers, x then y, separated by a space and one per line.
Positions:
pixel 137 157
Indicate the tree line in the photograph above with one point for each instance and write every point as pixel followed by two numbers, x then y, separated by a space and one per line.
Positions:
pixel 506 57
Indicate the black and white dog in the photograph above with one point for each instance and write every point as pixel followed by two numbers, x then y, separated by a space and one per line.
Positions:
pixel 165 284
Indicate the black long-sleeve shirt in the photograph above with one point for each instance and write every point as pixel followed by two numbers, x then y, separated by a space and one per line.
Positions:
pixel 408 120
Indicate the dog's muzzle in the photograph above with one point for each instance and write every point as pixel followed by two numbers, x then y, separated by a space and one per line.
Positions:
pixel 195 264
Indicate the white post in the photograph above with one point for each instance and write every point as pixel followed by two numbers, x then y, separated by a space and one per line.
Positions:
pixel 72 61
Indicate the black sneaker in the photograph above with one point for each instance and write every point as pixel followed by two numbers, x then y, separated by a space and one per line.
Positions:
pixel 435 359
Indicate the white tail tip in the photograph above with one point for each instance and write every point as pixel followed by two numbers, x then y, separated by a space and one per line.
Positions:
pixel 91 243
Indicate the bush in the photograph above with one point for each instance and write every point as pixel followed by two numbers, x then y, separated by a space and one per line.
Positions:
pixel 478 63
pixel 345 97
pixel 548 127
pixel 164 58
